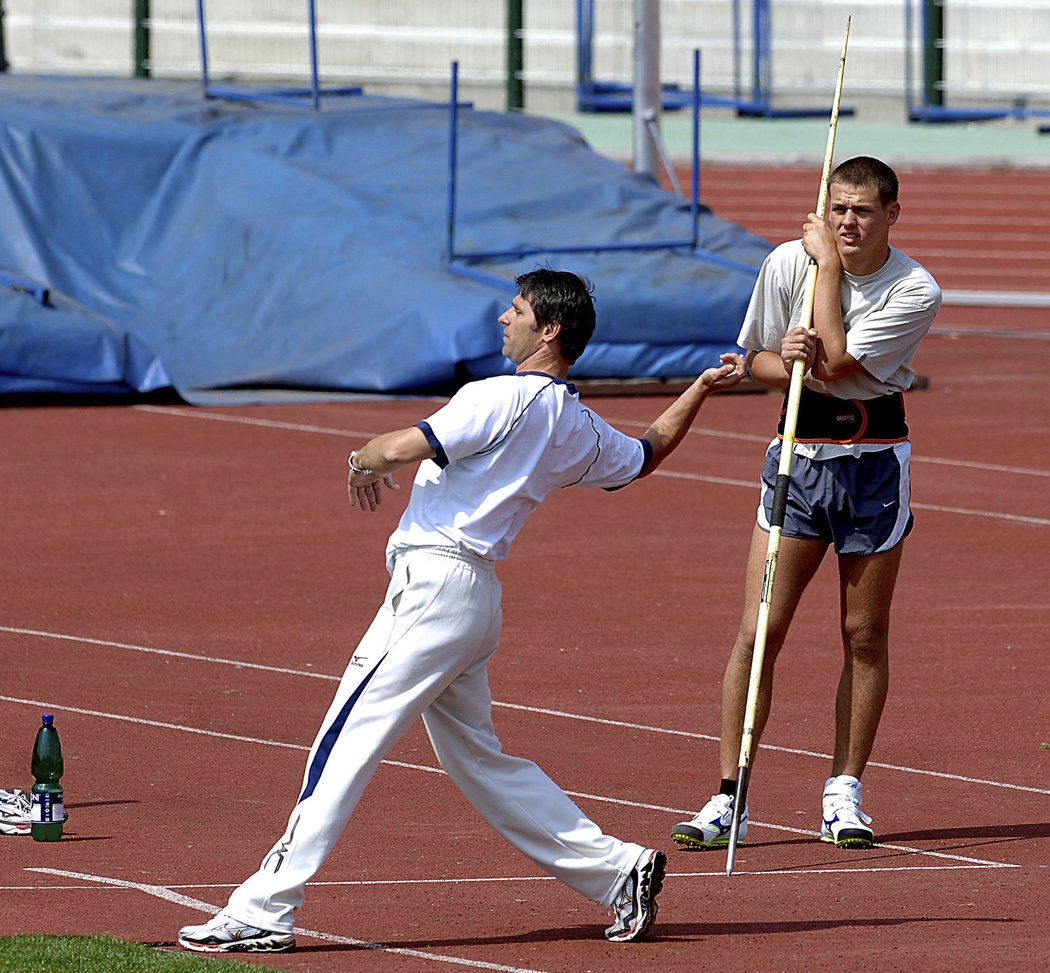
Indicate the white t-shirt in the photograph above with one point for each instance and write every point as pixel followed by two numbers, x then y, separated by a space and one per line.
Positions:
pixel 503 444
pixel 885 314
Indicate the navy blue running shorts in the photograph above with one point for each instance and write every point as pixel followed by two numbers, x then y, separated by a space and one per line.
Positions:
pixel 861 504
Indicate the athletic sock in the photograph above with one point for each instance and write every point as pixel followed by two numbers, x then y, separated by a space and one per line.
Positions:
pixel 728 787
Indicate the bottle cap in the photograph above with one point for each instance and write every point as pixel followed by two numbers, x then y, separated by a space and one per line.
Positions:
pixel 48 719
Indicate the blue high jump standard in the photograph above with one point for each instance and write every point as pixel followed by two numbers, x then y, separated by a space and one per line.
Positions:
pixel 285 96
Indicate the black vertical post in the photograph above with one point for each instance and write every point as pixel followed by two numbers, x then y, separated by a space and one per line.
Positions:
pixel 933 52
pixel 3 45
pixel 141 13
pixel 515 56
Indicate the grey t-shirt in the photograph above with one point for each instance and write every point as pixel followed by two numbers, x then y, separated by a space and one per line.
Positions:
pixel 885 314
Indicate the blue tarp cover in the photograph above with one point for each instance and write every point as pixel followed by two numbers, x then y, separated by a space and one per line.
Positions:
pixel 243 249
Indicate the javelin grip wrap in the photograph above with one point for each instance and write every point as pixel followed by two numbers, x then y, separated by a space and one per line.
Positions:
pixel 780 500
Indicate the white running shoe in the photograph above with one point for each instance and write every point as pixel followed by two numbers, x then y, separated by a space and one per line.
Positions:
pixel 635 905
pixel 224 934
pixel 15 810
pixel 709 827
pixel 845 824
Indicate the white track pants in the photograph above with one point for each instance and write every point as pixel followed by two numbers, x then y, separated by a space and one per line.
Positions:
pixel 425 654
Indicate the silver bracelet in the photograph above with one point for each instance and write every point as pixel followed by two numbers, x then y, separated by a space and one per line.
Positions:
pixel 358 470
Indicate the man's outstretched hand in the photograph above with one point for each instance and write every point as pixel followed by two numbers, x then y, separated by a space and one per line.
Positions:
pixel 368 495
pixel 728 374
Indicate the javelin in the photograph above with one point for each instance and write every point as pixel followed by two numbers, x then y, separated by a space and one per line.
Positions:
pixel 780 492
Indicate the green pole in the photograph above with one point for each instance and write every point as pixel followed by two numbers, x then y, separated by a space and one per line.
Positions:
pixel 141 14
pixel 933 52
pixel 515 57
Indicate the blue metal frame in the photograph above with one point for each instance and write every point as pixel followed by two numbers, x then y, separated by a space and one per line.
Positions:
pixel 282 96
pixel 761 105
pixel 459 262
pixel 606 96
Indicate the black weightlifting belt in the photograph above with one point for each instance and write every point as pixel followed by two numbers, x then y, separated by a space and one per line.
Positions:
pixel 827 419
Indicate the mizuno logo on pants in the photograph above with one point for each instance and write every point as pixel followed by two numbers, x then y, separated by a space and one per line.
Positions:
pixel 281 850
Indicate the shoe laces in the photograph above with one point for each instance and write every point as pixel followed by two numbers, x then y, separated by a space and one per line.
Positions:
pixel 15 802
pixel 844 807
pixel 625 899
pixel 724 802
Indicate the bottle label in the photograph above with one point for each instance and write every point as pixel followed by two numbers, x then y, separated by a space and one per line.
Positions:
pixel 47 808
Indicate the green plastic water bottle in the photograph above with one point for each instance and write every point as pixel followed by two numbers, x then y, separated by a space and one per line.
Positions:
pixel 48 815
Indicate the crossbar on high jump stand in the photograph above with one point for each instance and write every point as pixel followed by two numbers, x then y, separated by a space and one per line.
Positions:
pixel 930 107
pixel 760 105
pixel 608 96
pixel 282 96
pixel 458 261
pixel 780 495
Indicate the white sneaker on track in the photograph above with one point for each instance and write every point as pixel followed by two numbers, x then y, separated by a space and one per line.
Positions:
pixel 635 904
pixel 224 934
pixel 709 827
pixel 15 810
pixel 845 825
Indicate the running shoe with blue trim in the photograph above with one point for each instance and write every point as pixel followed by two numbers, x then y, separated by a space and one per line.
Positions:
pixel 709 827
pixel 845 825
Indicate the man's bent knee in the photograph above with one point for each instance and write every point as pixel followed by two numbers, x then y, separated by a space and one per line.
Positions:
pixel 866 644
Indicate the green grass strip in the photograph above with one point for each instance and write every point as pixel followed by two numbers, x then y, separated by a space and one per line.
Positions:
pixel 101 954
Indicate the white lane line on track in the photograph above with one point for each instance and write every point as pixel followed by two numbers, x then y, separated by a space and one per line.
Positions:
pixel 161 892
pixel 771 747
pixel 751 437
pixel 580 795
pixel 939 508
pixel 512 879
pixel 870 870
pixel 159 724
pixel 249 421
pixel 150 650
pixel 539 710
pixel 991 467
pixel 991 514
pixel 695 431
pixel 696 477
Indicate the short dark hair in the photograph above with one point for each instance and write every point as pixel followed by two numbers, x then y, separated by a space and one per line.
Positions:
pixel 864 172
pixel 558 296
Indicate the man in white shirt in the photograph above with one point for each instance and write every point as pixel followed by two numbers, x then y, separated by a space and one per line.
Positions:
pixel 850 482
pixel 486 461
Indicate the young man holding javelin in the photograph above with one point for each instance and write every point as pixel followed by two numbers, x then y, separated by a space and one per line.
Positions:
pixel 486 461
pixel 849 485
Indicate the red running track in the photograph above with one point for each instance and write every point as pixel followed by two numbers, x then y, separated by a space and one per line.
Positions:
pixel 181 587
pixel 974 229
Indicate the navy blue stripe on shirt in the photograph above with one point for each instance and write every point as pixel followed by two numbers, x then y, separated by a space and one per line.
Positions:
pixel 324 751
pixel 440 457
pixel 518 417
pixel 647 455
